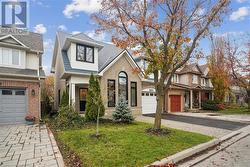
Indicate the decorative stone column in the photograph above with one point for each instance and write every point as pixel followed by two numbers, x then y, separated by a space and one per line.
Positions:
pixel 199 99
pixel 191 99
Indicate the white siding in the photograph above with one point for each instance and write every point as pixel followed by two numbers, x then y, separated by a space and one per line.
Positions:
pixel 79 64
pixel 32 61
pixel 60 84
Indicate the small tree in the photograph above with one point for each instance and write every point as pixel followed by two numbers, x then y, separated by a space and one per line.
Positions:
pixel 122 112
pixel 94 104
pixel 65 99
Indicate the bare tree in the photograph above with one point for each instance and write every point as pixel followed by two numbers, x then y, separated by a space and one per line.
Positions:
pixel 167 31
pixel 239 63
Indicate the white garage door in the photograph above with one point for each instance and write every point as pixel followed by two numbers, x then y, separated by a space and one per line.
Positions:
pixel 148 102
pixel 13 106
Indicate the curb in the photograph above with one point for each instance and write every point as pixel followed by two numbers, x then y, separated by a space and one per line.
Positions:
pixel 173 159
pixel 57 153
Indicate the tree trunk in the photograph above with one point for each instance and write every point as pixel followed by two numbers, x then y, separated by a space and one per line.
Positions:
pixel 159 108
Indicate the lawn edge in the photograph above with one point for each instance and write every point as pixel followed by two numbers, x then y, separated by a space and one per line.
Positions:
pixel 180 156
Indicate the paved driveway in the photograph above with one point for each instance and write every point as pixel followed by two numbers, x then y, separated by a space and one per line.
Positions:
pixel 215 123
pixel 22 145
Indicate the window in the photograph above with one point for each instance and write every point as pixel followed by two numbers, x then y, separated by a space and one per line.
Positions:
pixel 15 57
pixel 133 94
pixel 111 93
pixel 7 92
pixel 195 79
pixel 20 92
pixel 9 56
pixel 175 78
pixel 84 53
pixel 123 85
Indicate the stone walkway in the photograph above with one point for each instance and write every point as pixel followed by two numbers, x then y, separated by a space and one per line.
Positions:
pixel 23 145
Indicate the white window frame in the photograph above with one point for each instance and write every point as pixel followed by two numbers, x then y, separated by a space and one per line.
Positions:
pixel 10 62
pixel 195 79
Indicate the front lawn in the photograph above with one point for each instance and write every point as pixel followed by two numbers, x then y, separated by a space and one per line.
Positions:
pixel 125 145
pixel 235 110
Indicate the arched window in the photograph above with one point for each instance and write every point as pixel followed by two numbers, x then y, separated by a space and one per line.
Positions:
pixel 123 85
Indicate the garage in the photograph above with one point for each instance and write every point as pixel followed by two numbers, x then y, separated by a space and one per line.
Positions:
pixel 148 101
pixel 13 105
pixel 175 103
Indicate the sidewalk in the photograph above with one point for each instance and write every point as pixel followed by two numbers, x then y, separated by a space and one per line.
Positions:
pixel 210 131
pixel 235 118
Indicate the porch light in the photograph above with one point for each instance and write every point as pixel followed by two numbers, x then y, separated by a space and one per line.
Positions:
pixel 33 93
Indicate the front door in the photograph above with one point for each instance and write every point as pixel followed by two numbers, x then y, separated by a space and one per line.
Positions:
pixel 175 103
pixel 82 98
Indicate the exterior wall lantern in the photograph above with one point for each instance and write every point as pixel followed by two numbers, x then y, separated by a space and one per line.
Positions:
pixel 33 93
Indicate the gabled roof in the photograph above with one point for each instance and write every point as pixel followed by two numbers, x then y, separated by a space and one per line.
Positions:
pixel 190 68
pixel 107 52
pixel 203 67
pixel 31 40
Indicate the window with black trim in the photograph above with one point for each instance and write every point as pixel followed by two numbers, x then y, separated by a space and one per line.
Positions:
pixel 123 85
pixel 84 53
pixel 6 92
pixel 111 93
pixel 20 92
pixel 133 94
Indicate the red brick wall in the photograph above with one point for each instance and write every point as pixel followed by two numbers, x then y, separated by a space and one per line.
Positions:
pixel 33 100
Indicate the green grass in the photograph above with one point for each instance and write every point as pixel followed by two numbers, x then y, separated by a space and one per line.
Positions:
pixel 126 145
pixel 238 110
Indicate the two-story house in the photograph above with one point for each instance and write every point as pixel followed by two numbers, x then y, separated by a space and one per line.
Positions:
pixel 20 76
pixel 190 86
pixel 76 56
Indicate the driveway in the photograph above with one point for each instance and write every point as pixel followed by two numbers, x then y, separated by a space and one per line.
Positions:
pixel 215 123
pixel 23 145
pixel 210 127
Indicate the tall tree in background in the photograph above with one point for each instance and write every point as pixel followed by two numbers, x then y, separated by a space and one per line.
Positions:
pixel 239 64
pixel 47 95
pixel 167 33
pixel 218 69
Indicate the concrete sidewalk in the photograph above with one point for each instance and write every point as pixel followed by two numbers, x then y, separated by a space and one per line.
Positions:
pixel 210 131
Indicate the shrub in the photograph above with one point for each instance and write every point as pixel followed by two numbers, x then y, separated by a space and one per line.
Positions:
pixel 94 100
pixel 213 105
pixel 210 105
pixel 65 99
pixel 122 112
pixel 68 118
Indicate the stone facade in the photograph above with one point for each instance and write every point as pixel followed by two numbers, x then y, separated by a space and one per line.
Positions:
pixel 33 100
pixel 123 64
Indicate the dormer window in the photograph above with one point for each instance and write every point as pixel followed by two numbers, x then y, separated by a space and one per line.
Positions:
pixel 84 53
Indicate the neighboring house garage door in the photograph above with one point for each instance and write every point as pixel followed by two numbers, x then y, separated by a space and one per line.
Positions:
pixel 175 103
pixel 13 106
pixel 148 102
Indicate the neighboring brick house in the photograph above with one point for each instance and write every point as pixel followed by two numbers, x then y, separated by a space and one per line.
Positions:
pixel 76 56
pixel 190 87
pixel 20 76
